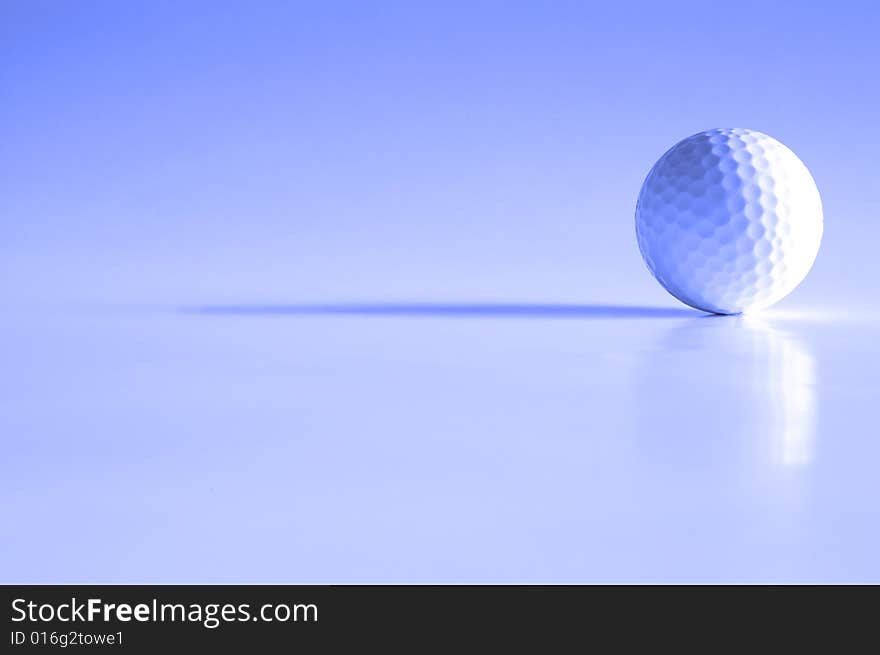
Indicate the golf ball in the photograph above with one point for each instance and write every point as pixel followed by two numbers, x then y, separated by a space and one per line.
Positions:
pixel 729 220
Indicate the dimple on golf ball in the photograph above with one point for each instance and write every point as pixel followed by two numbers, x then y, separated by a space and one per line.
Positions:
pixel 729 220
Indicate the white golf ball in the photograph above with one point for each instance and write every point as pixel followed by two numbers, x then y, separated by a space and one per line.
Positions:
pixel 729 220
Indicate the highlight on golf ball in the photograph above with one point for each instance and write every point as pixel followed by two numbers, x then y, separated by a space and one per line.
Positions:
pixel 729 220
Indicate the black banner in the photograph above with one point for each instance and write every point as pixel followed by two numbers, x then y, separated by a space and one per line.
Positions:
pixel 244 618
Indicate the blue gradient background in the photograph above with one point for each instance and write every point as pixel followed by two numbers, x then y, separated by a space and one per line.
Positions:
pixel 345 292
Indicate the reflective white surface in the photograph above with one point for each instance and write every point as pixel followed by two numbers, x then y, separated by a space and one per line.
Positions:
pixel 438 443
pixel 419 157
